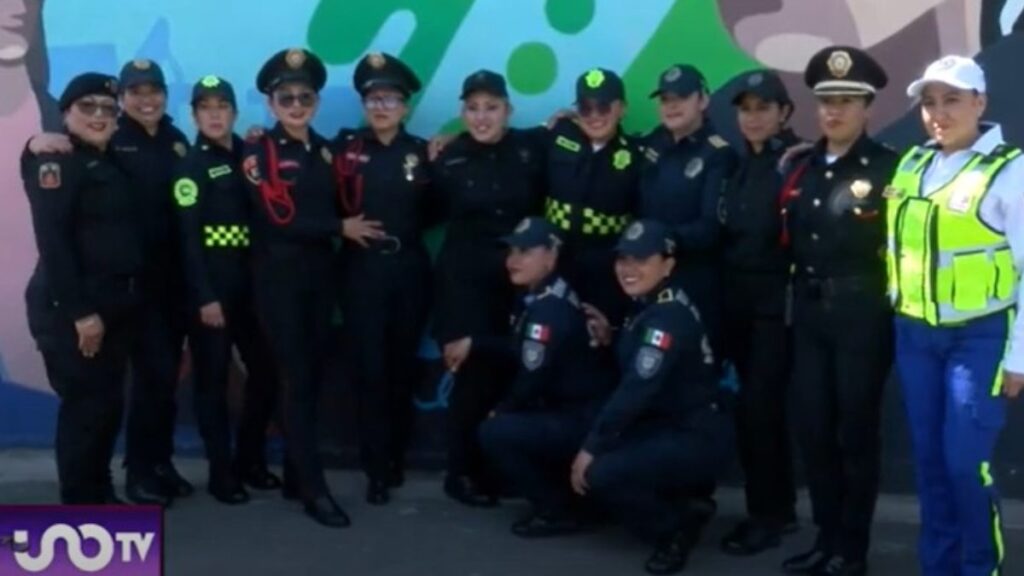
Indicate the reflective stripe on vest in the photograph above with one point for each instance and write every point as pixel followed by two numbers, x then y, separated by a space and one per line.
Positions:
pixel 594 223
pixel 946 266
pixel 226 236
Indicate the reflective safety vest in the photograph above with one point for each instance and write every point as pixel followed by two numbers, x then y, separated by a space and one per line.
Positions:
pixel 946 266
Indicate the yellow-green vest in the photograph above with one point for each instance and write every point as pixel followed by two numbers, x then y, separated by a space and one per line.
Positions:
pixel 946 266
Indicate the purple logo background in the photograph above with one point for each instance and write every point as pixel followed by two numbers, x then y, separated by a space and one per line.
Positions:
pixel 115 519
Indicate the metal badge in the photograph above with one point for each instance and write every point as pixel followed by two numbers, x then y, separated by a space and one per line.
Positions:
pixel 755 79
pixel 326 154
pixel 635 230
pixel 673 74
pixel 648 361
pixel 839 63
pixel 523 226
pixel 533 354
pixel 295 58
pixel 142 64
pixel 694 167
pixel 210 81
pixel 860 189
pixel 376 60
pixel 180 149
pixel 411 162
pixel 622 159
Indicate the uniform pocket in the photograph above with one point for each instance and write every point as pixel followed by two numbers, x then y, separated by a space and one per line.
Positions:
pixel 976 289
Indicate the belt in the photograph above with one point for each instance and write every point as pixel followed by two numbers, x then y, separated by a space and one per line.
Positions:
pixel 386 246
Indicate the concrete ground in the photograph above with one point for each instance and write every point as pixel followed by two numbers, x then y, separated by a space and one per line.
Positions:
pixel 423 533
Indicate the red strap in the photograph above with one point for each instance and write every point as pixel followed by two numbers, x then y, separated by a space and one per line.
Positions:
pixel 788 194
pixel 276 193
pixel 346 168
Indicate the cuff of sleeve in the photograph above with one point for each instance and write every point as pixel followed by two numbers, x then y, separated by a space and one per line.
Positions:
pixel 80 310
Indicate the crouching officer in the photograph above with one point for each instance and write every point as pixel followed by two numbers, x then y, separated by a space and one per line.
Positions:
pixel 81 299
pixel 213 203
pixel 534 432
pixel 663 434
pixel 386 277
pixel 296 218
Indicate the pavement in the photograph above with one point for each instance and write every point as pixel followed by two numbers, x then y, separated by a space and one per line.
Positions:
pixel 423 533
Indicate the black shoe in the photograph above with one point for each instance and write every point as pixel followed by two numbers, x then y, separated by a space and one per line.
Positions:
pixel 397 476
pixel 174 483
pixel 810 562
pixel 227 489
pixel 259 477
pixel 546 526
pixel 751 537
pixel 840 566
pixel 466 491
pixel 671 556
pixel 377 493
pixel 144 487
pixel 702 510
pixel 327 512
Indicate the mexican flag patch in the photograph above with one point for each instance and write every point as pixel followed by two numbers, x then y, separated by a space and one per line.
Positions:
pixel 538 332
pixel 658 339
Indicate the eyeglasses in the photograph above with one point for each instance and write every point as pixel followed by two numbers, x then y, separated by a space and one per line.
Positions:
pixel 383 102
pixel 90 108
pixel 590 108
pixel 289 99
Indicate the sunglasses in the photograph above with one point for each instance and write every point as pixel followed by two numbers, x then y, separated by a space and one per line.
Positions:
pixel 383 102
pixel 90 108
pixel 289 99
pixel 589 108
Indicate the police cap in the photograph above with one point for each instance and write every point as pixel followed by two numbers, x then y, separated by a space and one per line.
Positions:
pixel 292 65
pixel 601 85
pixel 214 86
pixel 844 70
pixel 87 84
pixel 380 70
pixel 645 238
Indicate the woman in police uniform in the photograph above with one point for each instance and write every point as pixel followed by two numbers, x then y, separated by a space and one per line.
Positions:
pixel 489 178
pixel 835 224
pixel 956 217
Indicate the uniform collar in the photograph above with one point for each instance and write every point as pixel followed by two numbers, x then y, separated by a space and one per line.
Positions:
pixel 860 149
pixel 207 145
pixel 553 285
pixel 85 147
pixel 126 122
pixel 991 137
pixel 366 133
pixel 281 137
pixel 698 136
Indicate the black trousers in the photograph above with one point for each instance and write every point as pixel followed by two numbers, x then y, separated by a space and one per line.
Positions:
pixel 212 358
pixel 590 270
pixel 155 360
pixel 759 344
pixel 384 307
pixel 295 299
pixel 91 392
pixel 843 354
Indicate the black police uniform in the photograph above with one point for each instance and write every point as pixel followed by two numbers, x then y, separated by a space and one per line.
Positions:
pixel 591 196
pixel 485 190
pixel 540 423
pixel 296 218
pixel 757 337
pixel 662 434
pixel 835 216
pixel 87 231
pixel 150 161
pixel 215 212
pixel 681 184
pixel 386 286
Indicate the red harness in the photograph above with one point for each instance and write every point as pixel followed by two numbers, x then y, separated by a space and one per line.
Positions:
pixel 789 193
pixel 346 168
pixel 277 194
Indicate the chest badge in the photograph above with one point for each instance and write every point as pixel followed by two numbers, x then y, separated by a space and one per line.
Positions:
pixel 967 187
pixel 891 192
pixel 180 149
pixel 622 159
pixel 694 167
pixel 411 162
pixel 326 154
pixel 860 189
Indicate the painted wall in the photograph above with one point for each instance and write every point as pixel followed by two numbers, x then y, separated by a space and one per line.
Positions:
pixel 541 45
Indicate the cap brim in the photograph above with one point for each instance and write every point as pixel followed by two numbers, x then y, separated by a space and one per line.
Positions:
pixel 680 93
pixel 843 88
pixel 295 77
pixel 917 86
pixel 384 83
pixel 486 90
pixel 133 83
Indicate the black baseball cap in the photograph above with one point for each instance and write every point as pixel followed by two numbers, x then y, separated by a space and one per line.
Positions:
pixel 87 84
pixel 681 80
pixel 486 81
pixel 211 85
pixel 645 238
pixel 764 84
pixel 601 85
pixel 532 232
pixel 142 71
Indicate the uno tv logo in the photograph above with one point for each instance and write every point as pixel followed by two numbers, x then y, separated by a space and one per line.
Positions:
pixel 86 541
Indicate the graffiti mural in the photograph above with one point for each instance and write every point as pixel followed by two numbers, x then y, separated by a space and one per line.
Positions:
pixel 541 45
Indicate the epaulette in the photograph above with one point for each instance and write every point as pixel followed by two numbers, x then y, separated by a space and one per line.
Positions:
pixel 717 141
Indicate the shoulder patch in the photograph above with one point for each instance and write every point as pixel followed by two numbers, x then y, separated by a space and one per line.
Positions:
pixel 49 176
pixel 717 141
pixel 533 354
pixel 186 192
pixel 648 361
pixel 538 332
pixel 180 149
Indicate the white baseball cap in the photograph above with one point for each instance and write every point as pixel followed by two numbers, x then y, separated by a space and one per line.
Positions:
pixel 956 71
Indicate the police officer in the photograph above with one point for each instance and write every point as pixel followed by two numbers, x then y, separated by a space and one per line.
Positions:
pixel 593 172
pixel 956 245
pixel 387 205
pixel 213 204
pixel 835 218
pixel 534 432
pixel 757 339
pixel 489 178
pixel 662 434
pixel 81 299
pixel 290 171
pixel 147 146
pixel 685 166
